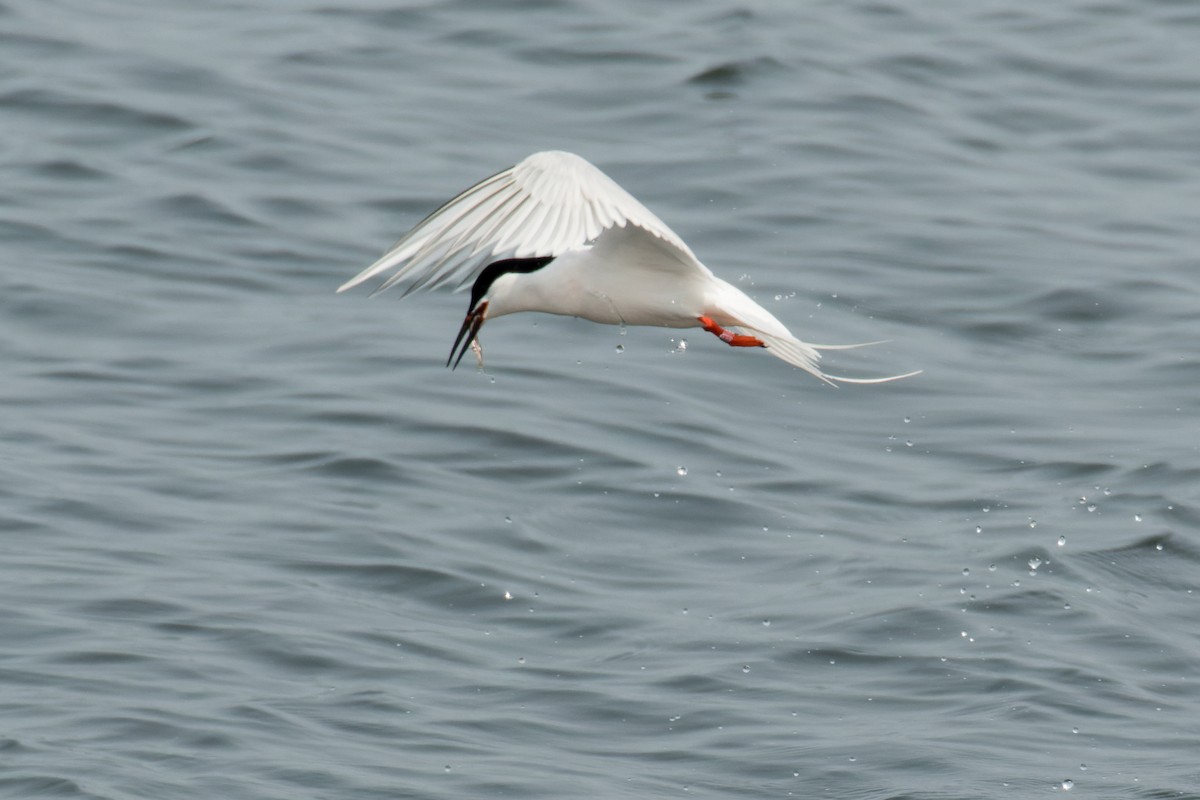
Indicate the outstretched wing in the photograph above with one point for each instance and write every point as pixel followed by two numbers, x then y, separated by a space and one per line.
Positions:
pixel 548 204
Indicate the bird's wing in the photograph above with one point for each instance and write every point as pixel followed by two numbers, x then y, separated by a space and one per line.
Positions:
pixel 548 204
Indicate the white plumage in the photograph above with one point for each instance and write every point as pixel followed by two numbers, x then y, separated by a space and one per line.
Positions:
pixel 571 241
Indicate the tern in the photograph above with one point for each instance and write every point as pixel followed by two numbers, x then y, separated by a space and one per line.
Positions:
pixel 557 235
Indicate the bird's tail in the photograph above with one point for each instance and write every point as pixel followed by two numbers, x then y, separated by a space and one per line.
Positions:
pixel 738 308
pixel 808 357
pixel 793 351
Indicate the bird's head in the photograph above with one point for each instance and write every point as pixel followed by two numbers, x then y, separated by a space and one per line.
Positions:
pixel 496 288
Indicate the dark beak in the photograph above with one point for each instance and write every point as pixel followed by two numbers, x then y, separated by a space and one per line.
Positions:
pixel 467 333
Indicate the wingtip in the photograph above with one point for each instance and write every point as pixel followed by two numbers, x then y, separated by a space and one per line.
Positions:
pixel 359 280
pixel 361 277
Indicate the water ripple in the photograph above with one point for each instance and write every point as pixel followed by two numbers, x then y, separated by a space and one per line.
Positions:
pixel 248 518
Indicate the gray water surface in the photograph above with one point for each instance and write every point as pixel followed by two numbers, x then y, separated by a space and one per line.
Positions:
pixel 257 542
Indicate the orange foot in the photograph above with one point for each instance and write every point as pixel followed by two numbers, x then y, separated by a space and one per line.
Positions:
pixel 731 339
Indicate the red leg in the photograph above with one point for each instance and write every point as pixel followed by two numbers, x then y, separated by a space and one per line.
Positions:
pixel 731 339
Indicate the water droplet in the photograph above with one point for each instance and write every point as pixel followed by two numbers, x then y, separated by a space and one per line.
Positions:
pixel 446 768
pixel 508 595
pixel 991 567
pixel 1035 562
pixel 908 443
pixel 1062 540
pixel 766 623
pixel 685 610
pixel 1158 546
pixel 979 529
pixel 1137 517
pixel 681 471
pixel 1083 767
pixel 1033 523
pixel 521 660
pixel 1068 785
pixel 853 759
pixel 1091 507
pixel 907 419
pixel 966 570
pixel 620 348
pixel 1074 730
pixel 746 668
pixel 682 346
pixel 508 520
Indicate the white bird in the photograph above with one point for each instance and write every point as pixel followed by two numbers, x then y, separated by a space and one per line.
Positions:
pixel 555 234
